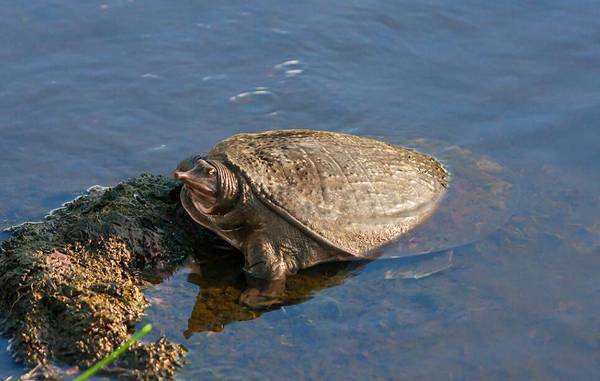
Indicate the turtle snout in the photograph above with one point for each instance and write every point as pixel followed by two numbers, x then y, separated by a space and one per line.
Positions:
pixel 186 177
pixel 195 181
pixel 181 175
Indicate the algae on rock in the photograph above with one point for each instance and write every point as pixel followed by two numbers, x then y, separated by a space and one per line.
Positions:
pixel 70 285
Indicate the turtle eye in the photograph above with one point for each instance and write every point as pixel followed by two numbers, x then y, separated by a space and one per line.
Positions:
pixel 212 172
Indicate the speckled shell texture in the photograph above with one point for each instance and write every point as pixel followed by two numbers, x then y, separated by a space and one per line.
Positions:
pixel 350 192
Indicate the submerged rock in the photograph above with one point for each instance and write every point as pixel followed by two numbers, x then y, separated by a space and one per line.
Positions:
pixel 70 287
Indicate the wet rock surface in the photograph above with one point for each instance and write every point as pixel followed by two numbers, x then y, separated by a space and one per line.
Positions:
pixel 71 286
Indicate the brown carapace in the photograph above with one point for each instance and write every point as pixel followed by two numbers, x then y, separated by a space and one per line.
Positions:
pixel 291 199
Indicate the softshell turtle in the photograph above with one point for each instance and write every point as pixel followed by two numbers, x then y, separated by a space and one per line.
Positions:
pixel 291 199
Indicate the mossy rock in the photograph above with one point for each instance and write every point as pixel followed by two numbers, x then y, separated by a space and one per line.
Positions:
pixel 70 286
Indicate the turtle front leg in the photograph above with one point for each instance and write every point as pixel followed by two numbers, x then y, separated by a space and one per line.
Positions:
pixel 265 275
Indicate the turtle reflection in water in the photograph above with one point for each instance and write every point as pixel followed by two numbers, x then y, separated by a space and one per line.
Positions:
pixel 221 279
pixel 292 199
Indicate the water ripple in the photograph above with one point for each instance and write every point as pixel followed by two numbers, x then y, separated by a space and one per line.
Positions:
pixel 291 68
pixel 258 101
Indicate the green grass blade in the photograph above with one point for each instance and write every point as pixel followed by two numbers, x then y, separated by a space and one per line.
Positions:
pixel 113 355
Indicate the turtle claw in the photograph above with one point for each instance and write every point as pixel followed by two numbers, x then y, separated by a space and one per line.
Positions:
pixel 255 299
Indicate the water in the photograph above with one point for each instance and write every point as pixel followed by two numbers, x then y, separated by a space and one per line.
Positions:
pixel 95 92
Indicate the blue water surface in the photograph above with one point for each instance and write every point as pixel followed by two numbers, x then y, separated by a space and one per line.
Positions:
pixel 95 92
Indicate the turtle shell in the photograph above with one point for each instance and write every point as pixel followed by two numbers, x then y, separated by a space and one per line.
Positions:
pixel 351 192
pixel 482 197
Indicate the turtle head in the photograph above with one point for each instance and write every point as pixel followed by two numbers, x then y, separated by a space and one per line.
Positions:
pixel 213 187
